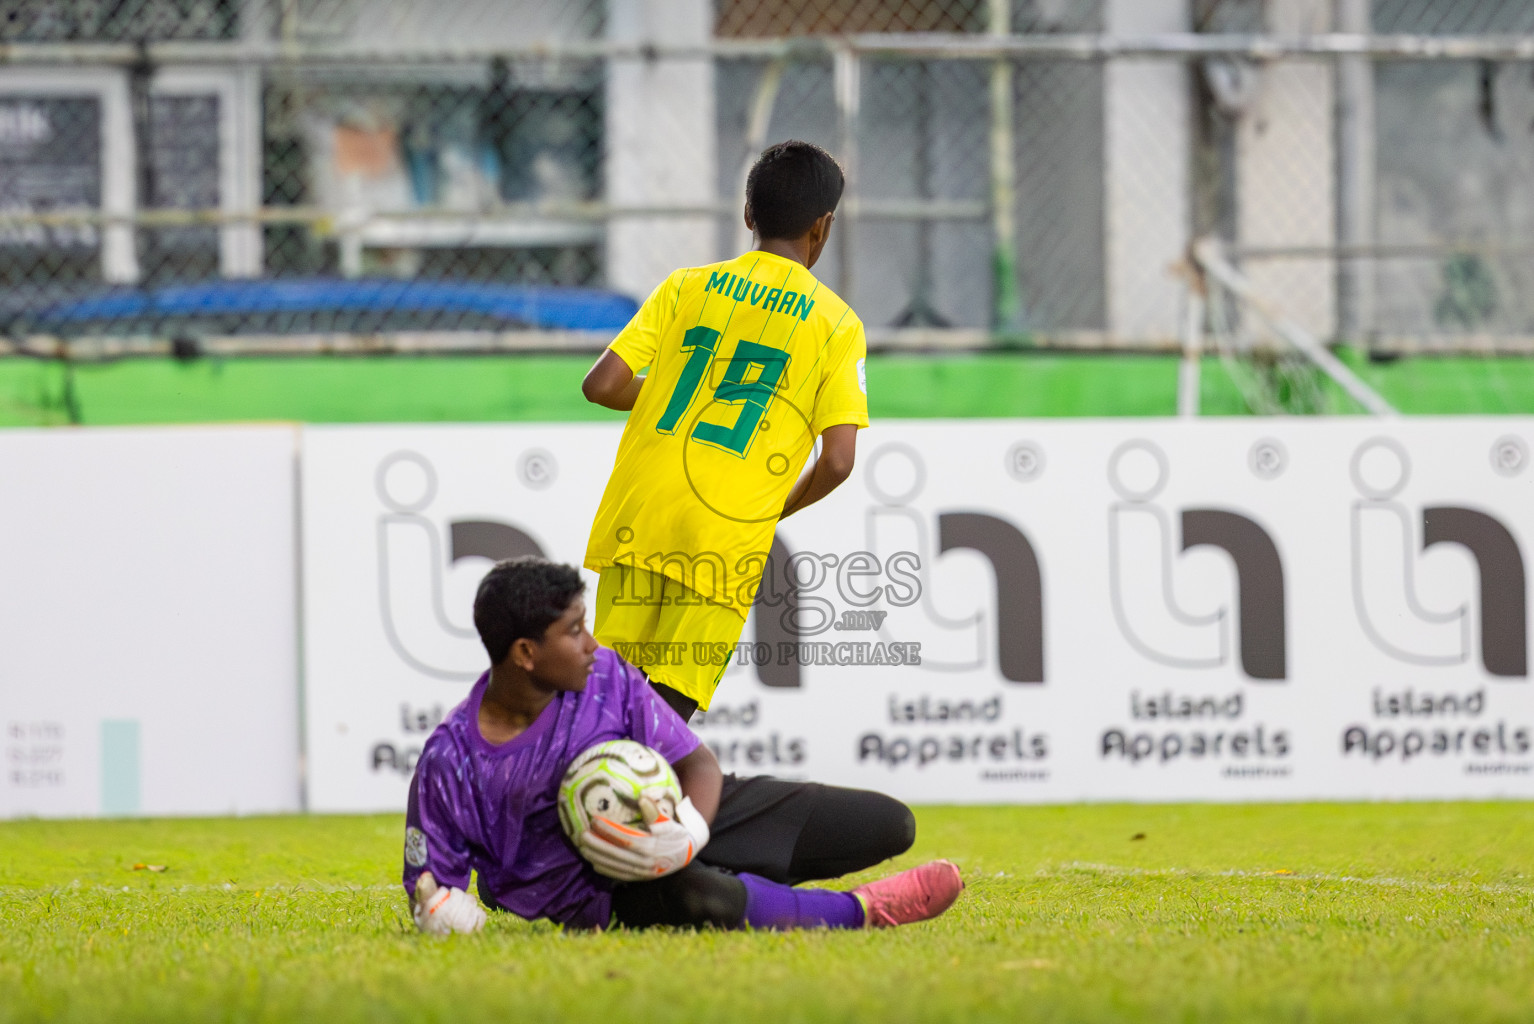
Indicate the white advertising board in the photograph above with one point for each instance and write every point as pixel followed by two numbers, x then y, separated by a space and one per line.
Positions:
pixel 147 591
pixel 1106 610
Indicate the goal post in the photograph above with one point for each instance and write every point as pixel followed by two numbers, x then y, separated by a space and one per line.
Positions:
pixel 1272 360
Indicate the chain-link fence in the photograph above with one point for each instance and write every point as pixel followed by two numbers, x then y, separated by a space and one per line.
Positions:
pixel 275 174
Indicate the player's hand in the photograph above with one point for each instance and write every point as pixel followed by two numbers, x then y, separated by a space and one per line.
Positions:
pixel 443 910
pixel 630 854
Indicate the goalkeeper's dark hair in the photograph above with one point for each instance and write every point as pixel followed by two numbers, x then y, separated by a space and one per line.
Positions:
pixel 521 597
pixel 791 186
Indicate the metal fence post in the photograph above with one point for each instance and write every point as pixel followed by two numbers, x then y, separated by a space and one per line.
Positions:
pixel 1355 178
pixel 1006 307
pixel 847 70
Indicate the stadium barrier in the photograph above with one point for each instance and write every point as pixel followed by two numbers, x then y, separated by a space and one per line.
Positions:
pixel 149 596
pixel 987 612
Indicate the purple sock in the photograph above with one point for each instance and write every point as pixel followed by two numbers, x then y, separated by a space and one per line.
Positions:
pixel 770 905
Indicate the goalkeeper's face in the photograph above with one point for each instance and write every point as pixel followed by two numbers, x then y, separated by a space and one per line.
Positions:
pixel 563 658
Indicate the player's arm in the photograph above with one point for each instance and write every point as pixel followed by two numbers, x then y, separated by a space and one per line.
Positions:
pixel 436 859
pixel 701 780
pixel 611 383
pixel 838 451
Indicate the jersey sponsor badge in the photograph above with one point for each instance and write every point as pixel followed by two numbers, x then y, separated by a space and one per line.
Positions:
pixel 415 847
pixel 862 377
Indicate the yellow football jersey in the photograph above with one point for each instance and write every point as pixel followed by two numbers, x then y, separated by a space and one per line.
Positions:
pixel 749 361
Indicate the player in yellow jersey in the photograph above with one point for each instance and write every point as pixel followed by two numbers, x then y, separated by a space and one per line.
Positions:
pixel 750 361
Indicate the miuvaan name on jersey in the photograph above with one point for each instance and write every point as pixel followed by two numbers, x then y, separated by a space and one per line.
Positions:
pixel 774 300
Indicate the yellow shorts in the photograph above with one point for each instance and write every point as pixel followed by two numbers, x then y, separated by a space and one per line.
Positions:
pixel 674 634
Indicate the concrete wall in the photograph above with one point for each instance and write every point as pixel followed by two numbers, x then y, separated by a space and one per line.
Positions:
pixel 1147 125
pixel 660 145
pixel 1286 172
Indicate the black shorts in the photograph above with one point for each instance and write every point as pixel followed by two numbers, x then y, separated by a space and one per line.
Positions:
pixel 794 832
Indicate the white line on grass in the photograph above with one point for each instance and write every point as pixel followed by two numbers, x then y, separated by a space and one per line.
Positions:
pixel 1088 867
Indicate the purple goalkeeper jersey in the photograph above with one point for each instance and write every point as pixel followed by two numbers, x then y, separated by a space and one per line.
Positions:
pixel 491 808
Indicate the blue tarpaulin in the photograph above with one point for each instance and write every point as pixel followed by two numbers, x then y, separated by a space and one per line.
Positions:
pixel 530 306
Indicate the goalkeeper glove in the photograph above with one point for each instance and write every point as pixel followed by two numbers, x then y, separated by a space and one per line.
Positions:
pixel 444 910
pixel 630 854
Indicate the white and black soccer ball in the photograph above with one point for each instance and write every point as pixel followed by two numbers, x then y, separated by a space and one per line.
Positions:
pixel 607 780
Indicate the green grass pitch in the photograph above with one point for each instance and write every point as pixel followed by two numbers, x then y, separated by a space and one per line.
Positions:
pixel 1321 912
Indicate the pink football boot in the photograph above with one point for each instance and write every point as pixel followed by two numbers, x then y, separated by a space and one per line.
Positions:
pixel 917 894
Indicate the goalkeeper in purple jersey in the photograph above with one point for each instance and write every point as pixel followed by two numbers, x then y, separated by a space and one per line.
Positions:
pixel 484 797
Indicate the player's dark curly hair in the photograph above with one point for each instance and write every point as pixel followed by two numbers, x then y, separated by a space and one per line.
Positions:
pixel 792 185
pixel 520 597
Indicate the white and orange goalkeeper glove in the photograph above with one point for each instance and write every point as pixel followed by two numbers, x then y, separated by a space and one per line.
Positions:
pixel 664 845
pixel 442 910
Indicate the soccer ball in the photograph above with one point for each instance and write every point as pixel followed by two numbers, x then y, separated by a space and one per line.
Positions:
pixel 607 780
